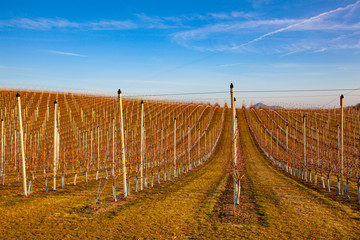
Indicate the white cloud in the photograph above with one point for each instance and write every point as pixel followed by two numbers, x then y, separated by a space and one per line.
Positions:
pixel 141 20
pixel 245 15
pixel 111 25
pixel 220 15
pixel 66 53
pixel 38 23
pixel 226 35
pixel 154 22
pixel 229 65
pixel 320 50
pixel 305 22
pixel 234 31
pixel 180 21
pixel 259 3
pixel 231 28
pixel 45 24
pixel 350 46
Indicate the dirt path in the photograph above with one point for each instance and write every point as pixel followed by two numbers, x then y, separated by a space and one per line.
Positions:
pixel 289 209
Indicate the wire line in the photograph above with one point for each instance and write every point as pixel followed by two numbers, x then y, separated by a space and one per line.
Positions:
pixel 251 91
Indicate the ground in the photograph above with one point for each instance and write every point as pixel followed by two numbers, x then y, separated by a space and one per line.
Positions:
pixel 195 206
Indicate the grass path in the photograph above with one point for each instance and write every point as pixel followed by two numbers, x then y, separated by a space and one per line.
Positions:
pixel 290 209
pixel 178 210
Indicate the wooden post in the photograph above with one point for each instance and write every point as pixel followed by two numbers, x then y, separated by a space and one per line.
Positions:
pixel 277 141
pixel 339 158
pixel 162 152
pixel 174 147
pixel 205 144
pixel 2 152
pixel 234 152
pixel 22 145
pixel 122 144
pixel 58 144
pixel 342 145
pixel 91 146
pixel 15 152
pixel 294 156
pixel 318 153
pixel 189 164
pixel 304 141
pixel 55 146
pixel 142 146
pixel 113 152
pixel 199 147
pixel 98 152
pixel 287 146
pixel 271 142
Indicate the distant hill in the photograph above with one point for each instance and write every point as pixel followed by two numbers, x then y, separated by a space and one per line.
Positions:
pixel 262 105
pixel 357 106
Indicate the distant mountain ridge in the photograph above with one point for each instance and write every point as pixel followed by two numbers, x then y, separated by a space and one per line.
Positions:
pixel 262 105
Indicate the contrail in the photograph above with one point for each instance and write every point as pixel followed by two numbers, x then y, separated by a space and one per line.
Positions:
pixel 299 23
pixel 66 53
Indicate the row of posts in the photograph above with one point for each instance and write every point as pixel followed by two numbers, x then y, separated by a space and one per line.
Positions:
pixel 56 144
pixel 340 145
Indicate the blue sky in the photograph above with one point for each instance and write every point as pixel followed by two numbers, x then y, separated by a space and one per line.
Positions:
pixel 155 47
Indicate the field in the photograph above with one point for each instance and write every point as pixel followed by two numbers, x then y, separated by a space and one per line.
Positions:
pixel 124 168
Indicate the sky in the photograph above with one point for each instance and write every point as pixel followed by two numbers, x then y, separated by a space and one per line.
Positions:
pixel 165 47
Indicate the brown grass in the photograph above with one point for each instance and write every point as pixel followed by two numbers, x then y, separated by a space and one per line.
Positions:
pixel 274 206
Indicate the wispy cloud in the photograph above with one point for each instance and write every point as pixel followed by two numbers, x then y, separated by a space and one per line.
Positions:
pixel 350 46
pixel 3 67
pixel 230 27
pixel 38 23
pixel 229 65
pixel 259 3
pixel 45 24
pixel 66 53
pixel 305 24
pixel 157 22
pixel 343 21
pixel 111 25
pixel 320 50
pixel 141 20
pixel 233 31
pixel 233 15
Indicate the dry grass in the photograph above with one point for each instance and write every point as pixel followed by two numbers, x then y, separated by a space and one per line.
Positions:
pixel 277 207
pixel 176 210
pixel 290 209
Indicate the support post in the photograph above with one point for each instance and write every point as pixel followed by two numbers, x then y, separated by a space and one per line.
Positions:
pixel 234 152
pixel 22 145
pixel 189 162
pixel 113 162
pixel 55 141
pixel 287 147
pixel 304 141
pixel 174 162
pixel 98 152
pixel 142 146
pixel 2 152
pixel 342 145
pixel 122 144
